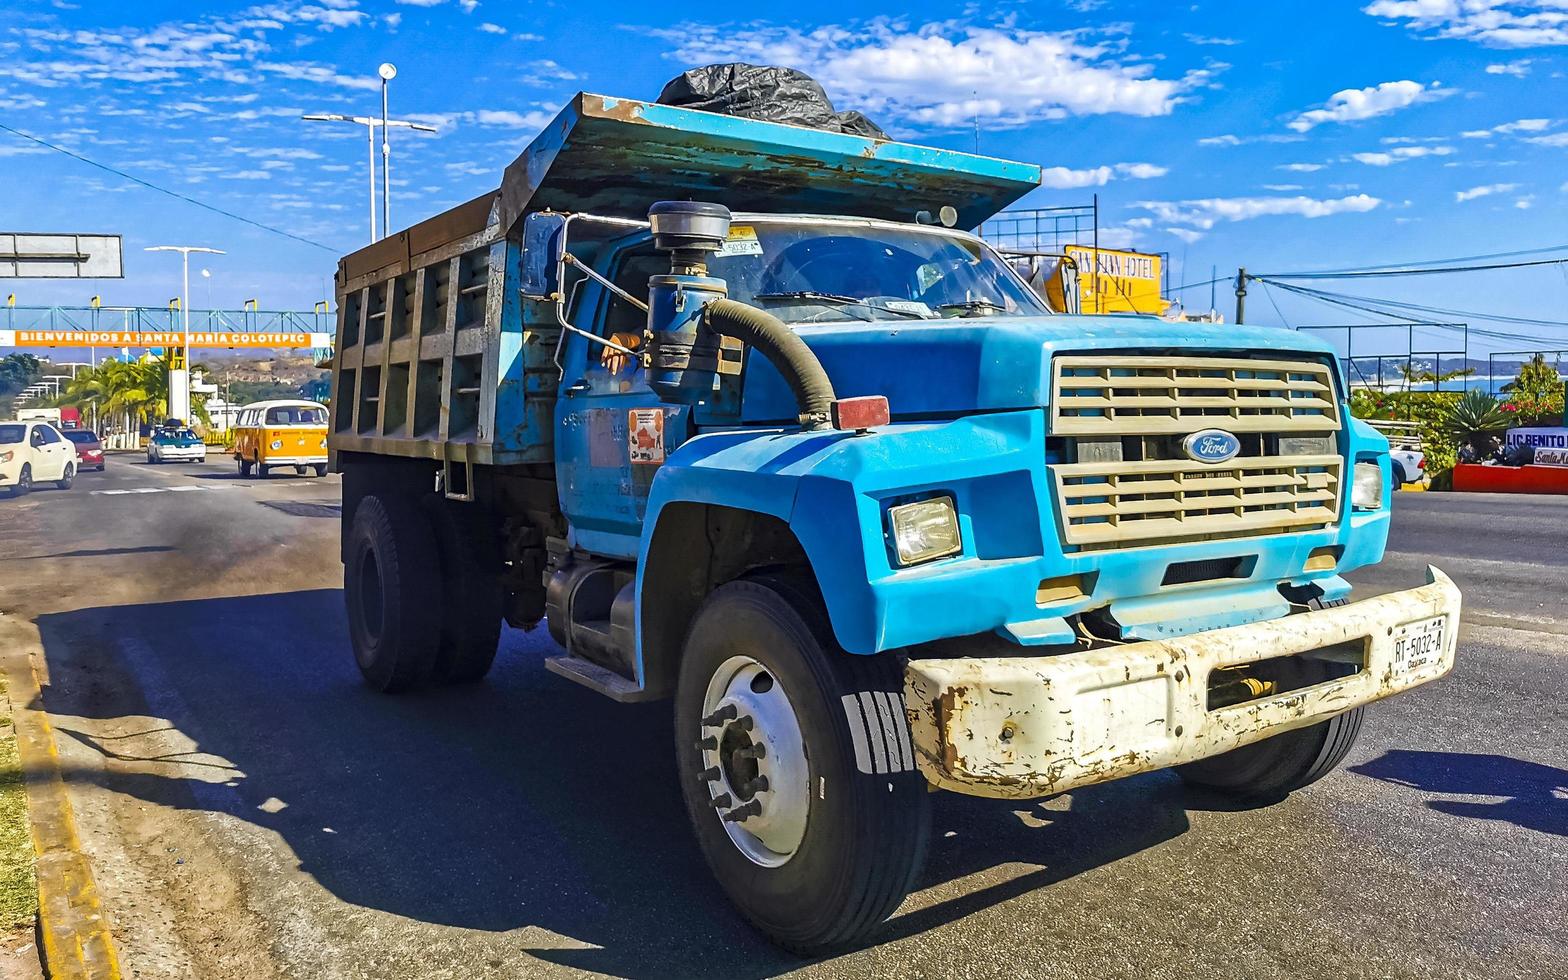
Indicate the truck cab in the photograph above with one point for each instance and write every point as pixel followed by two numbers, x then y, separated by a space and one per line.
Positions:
pixel 742 415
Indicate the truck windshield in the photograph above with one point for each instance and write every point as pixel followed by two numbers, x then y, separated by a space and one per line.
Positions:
pixel 806 271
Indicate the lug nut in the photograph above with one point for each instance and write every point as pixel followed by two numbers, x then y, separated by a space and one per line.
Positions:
pixel 721 801
pixel 756 751
pixel 743 812
pixel 709 774
pixel 720 716
pixel 757 785
pixel 708 743
pixel 743 722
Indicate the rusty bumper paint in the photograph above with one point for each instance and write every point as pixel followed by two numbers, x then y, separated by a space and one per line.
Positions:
pixel 1021 727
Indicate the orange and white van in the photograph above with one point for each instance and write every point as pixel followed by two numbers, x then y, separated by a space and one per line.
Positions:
pixel 281 433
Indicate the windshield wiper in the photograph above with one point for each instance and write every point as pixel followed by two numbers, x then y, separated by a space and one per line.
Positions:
pixel 839 300
pixel 972 305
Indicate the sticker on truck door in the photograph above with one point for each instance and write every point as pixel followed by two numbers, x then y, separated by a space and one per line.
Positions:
pixel 645 435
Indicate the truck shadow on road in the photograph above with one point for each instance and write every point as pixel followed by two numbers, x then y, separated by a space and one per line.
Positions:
pixel 1533 796
pixel 520 801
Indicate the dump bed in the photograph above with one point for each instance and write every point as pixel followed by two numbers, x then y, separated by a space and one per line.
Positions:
pixel 438 354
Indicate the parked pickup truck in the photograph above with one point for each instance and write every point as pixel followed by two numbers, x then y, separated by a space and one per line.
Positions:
pixel 740 412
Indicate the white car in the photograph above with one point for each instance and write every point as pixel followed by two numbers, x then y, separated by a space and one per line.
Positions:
pixel 35 452
pixel 175 445
pixel 1409 465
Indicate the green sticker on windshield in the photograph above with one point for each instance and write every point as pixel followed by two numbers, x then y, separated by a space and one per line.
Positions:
pixel 928 275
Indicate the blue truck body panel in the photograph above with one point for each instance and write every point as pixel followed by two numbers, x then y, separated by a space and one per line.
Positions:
pixel 833 489
pixel 618 156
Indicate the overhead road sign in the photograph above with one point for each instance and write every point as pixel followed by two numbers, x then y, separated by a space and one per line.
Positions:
pixel 32 255
pixel 148 338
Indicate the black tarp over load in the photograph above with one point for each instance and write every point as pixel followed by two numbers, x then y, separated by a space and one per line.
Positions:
pixel 766 92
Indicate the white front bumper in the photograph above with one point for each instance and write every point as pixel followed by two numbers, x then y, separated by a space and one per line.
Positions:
pixel 179 454
pixel 1022 727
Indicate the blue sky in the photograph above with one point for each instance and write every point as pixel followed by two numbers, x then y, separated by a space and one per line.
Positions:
pixel 1280 136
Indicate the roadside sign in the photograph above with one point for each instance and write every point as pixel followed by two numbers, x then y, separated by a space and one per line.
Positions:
pixel 1128 282
pixel 26 255
pixel 160 338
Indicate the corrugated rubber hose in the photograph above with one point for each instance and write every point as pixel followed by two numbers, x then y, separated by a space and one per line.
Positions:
pixel 784 349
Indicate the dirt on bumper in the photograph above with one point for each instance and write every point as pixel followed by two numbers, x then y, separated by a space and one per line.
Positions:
pixel 1022 727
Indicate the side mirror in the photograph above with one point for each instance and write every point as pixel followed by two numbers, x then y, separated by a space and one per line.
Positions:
pixel 540 276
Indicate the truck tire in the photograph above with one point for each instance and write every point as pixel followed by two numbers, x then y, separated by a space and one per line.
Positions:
pixel 471 597
pixel 391 588
pixel 1276 766
pixel 819 853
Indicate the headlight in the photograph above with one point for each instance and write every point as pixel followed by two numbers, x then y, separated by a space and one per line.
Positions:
pixel 6 457
pixel 277 444
pixel 1366 491
pixel 925 530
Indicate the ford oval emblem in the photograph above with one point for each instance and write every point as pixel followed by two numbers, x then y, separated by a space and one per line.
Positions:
pixel 1211 446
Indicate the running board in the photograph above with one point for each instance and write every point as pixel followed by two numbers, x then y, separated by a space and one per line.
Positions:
pixel 601 679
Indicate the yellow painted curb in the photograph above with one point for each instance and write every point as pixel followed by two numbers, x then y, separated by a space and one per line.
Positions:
pixel 74 932
pixel 1413 487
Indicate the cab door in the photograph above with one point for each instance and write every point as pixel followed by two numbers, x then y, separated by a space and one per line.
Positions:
pixel 52 452
pixel 612 433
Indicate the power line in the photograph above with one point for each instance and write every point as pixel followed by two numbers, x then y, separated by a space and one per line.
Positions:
pixel 1357 303
pixel 1442 270
pixel 1484 257
pixel 165 190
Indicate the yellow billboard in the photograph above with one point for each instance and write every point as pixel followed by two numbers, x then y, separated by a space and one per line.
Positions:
pixel 1117 281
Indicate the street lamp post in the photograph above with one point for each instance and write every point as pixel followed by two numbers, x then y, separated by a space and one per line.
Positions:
pixel 370 123
pixel 387 71
pixel 179 369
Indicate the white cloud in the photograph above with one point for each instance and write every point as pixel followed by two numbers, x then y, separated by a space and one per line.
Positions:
pixel 1205 39
pixel 490 28
pixel 1204 214
pixel 947 74
pixel 1485 190
pixel 249 175
pixel 1518 69
pixel 533 119
pixel 1187 235
pixel 1062 178
pixel 1399 154
pixel 1555 140
pixel 1231 139
pixel 1508 129
pixel 1302 168
pixel 1494 23
pixel 1351 104
pixel 1525 203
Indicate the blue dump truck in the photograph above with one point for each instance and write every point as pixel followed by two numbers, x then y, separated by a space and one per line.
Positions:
pixel 740 412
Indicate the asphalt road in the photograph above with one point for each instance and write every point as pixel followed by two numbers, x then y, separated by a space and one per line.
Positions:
pixel 251 811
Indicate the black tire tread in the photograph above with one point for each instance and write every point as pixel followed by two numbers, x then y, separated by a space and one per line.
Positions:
pixel 408 562
pixel 471 595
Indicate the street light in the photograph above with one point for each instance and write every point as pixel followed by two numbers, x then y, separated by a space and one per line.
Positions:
pixel 387 71
pixel 370 123
pixel 179 378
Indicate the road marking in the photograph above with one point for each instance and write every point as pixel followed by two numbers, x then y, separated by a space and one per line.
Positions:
pixel 114 493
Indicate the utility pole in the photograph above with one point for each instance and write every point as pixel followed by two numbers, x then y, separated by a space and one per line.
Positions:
pixel 179 369
pixel 1241 293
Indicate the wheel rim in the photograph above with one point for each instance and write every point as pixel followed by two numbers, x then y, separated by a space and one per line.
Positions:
pixel 754 762
pixel 25 481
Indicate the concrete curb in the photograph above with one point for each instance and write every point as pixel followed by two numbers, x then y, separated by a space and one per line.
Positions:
pixel 73 931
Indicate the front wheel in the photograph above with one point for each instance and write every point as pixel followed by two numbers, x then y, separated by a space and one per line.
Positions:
pixel 320 468
pixel 797 768
pixel 67 478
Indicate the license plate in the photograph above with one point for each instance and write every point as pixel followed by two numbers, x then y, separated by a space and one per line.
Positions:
pixel 1418 644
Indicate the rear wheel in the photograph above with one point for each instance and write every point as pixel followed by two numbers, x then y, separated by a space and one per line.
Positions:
pixel 390 588
pixel 67 478
pixel 796 766
pixel 243 465
pixel 261 468
pixel 320 468
pixel 471 595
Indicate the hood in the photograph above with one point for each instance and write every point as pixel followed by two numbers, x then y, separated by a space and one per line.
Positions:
pixel 946 368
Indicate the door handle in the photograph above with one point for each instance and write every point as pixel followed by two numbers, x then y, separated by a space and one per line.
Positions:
pixel 578 387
